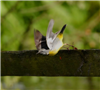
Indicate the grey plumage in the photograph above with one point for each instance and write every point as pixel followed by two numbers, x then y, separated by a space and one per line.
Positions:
pixel 50 36
pixel 45 45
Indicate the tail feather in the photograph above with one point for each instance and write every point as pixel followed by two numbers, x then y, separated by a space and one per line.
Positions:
pixel 63 28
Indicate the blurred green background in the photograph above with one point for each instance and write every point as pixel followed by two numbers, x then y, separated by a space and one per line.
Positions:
pixel 20 18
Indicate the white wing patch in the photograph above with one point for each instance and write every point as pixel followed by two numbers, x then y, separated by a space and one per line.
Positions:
pixel 50 43
pixel 50 36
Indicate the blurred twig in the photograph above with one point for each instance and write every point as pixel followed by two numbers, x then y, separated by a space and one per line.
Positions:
pixel 39 8
pixel 92 22
pixel 24 35
pixel 28 29
pixel 10 10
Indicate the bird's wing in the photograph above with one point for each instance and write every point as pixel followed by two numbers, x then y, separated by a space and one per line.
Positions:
pixel 55 35
pixel 40 40
pixel 37 39
pixel 50 34
pixel 60 31
pixel 49 30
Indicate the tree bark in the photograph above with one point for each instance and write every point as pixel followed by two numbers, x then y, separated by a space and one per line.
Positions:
pixel 65 63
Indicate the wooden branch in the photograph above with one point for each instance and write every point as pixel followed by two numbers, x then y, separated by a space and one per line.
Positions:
pixel 65 63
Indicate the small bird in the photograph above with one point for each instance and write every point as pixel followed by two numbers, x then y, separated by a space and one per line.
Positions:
pixel 50 44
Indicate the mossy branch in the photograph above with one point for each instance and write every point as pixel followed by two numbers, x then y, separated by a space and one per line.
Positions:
pixel 65 63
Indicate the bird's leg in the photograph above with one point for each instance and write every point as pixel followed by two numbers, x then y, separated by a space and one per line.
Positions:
pixel 38 52
pixel 67 47
pixel 70 46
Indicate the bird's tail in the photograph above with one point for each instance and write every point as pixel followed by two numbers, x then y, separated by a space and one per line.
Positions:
pixel 63 28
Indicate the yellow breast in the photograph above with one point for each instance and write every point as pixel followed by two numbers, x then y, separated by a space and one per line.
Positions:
pixel 56 45
pixel 53 52
pixel 60 36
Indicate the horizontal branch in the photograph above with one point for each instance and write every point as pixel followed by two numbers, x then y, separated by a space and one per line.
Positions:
pixel 65 63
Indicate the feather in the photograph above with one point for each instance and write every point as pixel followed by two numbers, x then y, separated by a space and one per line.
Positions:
pixel 50 36
pixel 40 40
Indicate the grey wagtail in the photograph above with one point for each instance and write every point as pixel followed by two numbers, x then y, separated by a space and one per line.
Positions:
pixel 50 44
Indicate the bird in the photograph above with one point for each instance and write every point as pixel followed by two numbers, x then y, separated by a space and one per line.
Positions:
pixel 51 43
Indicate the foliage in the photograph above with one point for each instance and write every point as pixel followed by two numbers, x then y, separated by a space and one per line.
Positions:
pixel 50 83
pixel 19 19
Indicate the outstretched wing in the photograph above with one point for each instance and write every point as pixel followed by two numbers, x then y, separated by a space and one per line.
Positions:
pixel 37 39
pixel 40 40
pixel 49 30
pixel 50 36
